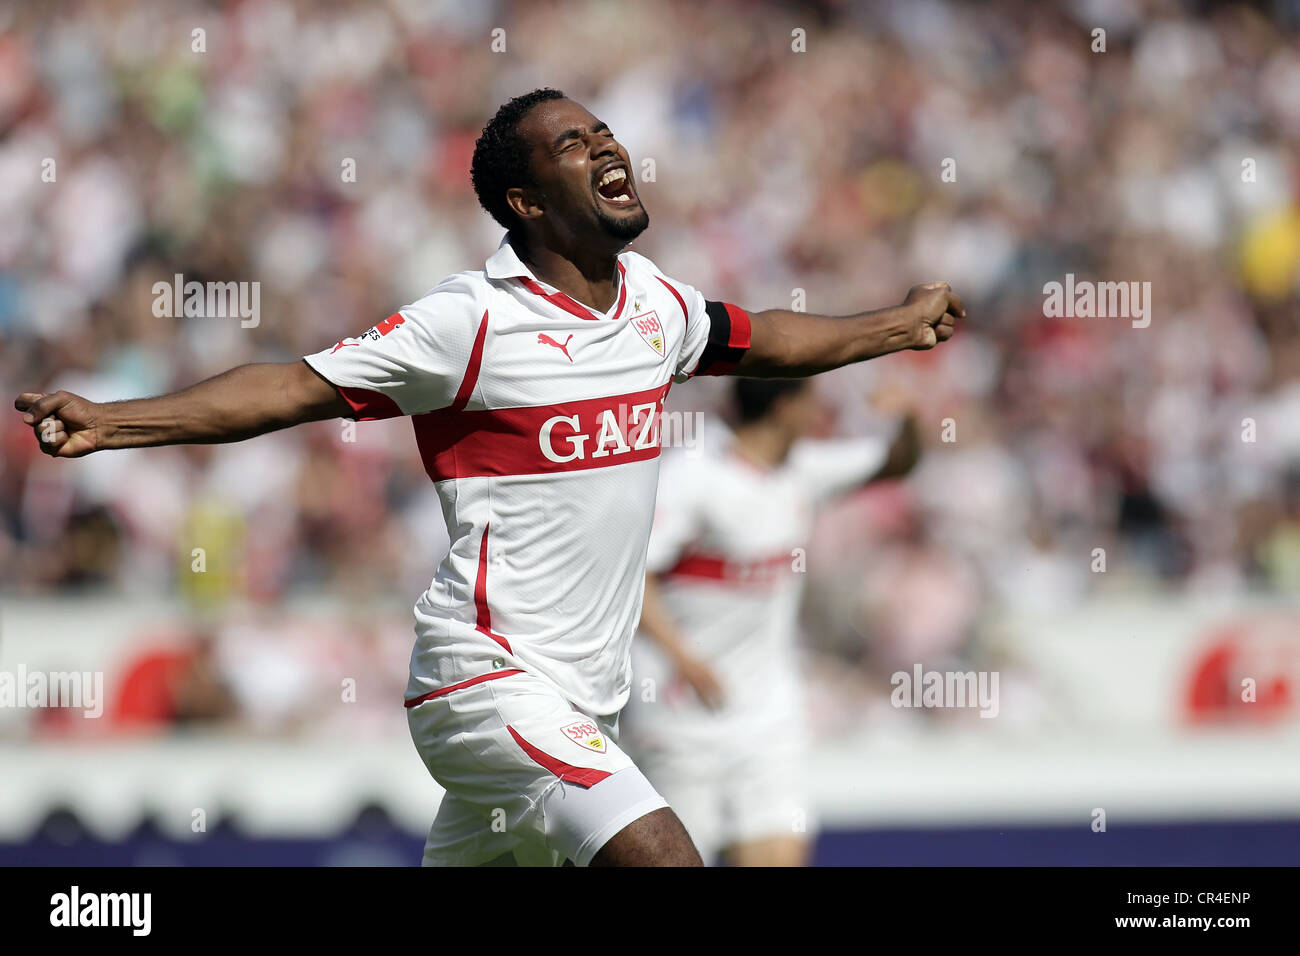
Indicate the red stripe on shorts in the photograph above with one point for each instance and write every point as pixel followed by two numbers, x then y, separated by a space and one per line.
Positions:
pixel 582 776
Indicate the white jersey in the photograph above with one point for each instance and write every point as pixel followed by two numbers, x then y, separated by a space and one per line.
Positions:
pixel 538 421
pixel 729 543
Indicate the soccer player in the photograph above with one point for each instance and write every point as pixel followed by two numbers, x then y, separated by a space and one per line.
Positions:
pixel 534 386
pixel 722 734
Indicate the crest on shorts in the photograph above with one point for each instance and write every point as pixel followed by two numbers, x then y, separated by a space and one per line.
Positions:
pixel 649 328
pixel 586 735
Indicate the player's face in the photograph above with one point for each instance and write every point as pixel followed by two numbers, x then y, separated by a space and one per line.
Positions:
pixel 584 175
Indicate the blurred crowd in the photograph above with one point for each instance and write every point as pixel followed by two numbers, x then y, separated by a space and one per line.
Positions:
pixel 827 154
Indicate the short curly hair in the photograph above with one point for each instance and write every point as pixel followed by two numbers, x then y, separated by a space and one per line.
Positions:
pixel 501 156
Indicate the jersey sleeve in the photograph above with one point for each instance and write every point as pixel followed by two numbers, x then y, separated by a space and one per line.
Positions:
pixel 410 363
pixel 678 519
pixel 828 468
pixel 717 334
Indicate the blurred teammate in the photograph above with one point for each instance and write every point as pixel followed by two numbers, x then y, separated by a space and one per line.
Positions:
pixel 534 386
pixel 722 736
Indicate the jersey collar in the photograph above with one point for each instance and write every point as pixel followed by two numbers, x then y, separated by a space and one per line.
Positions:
pixel 506 264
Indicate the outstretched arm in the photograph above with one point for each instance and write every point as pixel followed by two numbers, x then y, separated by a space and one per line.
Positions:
pixel 241 403
pixel 795 344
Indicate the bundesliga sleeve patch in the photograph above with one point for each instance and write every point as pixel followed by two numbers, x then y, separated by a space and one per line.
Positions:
pixel 728 339
pixel 349 360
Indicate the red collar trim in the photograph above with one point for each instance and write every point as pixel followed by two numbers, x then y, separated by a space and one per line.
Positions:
pixel 566 303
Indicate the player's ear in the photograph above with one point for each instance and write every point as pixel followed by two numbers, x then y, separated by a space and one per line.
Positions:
pixel 526 203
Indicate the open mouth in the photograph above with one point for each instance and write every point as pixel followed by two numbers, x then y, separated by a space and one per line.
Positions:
pixel 615 187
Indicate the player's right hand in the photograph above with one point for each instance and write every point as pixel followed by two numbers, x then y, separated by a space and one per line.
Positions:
pixel 698 674
pixel 936 310
pixel 66 425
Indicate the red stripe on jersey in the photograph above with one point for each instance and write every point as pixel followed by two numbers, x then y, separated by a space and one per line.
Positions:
pixel 442 691
pixel 622 290
pixel 472 368
pixel 541 439
pixel 563 301
pixel 558 299
pixel 686 315
pixel 582 776
pixel 740 329
pixel 713 567
pixel 368 406
pixel 483 619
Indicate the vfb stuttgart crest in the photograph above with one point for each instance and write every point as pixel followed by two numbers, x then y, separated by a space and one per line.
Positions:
pixel 586 735
pixel 648 327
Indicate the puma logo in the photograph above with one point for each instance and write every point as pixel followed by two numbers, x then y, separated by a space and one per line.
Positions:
pixel 342 345
pixel 544 339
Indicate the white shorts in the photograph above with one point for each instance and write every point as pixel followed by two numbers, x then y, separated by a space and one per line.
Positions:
pixel 526 774
pixel 733 793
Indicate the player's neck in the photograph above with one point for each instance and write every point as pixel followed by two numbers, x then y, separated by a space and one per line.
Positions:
pixel 590 277
pixel 764 445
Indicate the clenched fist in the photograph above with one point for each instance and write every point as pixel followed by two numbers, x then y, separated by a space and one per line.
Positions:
pixel 66 425
pixel 936 309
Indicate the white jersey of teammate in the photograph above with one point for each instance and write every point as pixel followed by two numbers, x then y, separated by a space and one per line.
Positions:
pixel 729 543
pixel 538 420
